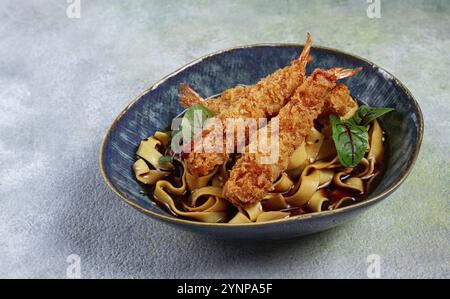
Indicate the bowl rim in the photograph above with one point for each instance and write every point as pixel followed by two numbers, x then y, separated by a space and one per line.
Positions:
pixel 366 202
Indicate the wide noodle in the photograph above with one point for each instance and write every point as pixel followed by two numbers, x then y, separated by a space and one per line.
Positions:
pixel 313 166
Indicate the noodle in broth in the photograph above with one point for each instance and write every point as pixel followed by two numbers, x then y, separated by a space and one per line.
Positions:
pixel 314 181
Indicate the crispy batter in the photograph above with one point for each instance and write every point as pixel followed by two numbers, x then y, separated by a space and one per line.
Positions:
pixel 263 100
pixel 189 97
pixel 339 102
pixel 250 180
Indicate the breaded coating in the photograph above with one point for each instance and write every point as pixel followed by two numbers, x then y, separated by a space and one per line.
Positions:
pixel 263 100
pixel 339 101
pixel 189 97
pixel 250 180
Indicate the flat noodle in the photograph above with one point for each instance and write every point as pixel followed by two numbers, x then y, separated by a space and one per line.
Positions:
pixel 240 218
pixel 298 161
pixel 310 181
pixel 353 183
pixel 283 184
pixel 146 175
pixel 376 151
pixel 162 137
pixel 205 191
pixel 195 182
pixel 275 201
pixel 213 210
pixel 312 167
pixel 272 215
pixel 254 211
pixel 317 200
pixel 305 154
pixel 148 150
pixel 368 168
pixel 314 142
pixel 327 150
pixel 343 201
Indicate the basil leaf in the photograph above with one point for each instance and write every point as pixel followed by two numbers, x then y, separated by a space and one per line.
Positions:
pixel 165 159
pixel 351 141
pixel 192 121
pixel 365 114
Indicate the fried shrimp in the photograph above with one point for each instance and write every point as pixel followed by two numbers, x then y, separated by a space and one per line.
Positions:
pixel 280 83
pixel 263 100
pixel 189 97
pixel 250 180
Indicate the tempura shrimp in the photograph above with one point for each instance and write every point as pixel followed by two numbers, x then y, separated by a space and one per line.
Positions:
pixel 250 180
pixel 263 100
pixel 189 97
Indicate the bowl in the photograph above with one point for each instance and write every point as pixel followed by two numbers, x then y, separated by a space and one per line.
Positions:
pixel 154 108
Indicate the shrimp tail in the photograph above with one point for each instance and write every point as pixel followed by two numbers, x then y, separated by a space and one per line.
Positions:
pixel 335 74
pixel 188 96
pixel 304 58
pixel 341 73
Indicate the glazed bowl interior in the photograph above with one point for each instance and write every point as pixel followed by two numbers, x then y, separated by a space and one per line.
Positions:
pixel 155 108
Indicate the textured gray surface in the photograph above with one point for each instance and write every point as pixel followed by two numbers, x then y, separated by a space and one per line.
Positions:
pixel 62 82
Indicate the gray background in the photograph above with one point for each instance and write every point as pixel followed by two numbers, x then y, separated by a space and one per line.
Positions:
pixel 63 81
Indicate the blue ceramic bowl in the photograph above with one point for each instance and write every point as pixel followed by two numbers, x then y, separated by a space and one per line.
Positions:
pixel 155 107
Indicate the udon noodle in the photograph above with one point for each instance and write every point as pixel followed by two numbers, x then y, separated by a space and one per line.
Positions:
pixel 314 181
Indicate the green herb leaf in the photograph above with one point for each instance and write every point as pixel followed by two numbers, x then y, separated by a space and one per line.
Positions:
pixel 165 159
pixel 365 114
pixel 192 121
pixel 350 139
